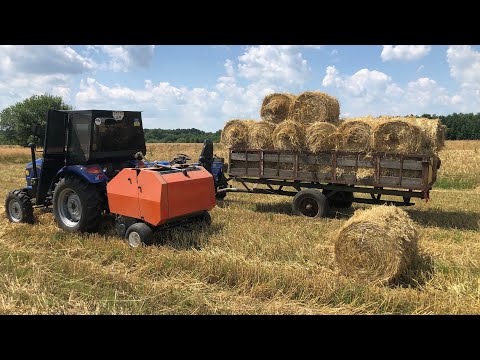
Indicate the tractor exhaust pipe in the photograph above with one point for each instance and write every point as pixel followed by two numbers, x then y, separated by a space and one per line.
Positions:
pixel 34 162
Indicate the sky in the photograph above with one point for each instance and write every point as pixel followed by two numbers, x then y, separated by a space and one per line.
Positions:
pixel 203 86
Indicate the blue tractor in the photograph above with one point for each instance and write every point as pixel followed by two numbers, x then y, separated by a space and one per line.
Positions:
pixel 82 151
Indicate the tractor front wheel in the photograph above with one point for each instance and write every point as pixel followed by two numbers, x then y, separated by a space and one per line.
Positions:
pixel 18 207
pixel 77 205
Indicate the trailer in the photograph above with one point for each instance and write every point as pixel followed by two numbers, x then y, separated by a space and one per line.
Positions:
pixel 332 178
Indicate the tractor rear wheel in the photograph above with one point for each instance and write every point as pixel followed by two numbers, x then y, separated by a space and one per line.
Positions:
pixel 18 207
pixel 77 205
pixel 138 234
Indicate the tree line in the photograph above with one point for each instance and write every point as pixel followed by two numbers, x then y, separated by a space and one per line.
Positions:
pixel 180 136
pixel 16 121
pixel 459 126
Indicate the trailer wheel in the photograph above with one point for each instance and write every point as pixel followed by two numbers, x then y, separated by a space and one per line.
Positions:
pixel 138 234
pixel 18 207
pixel 221 196
pixel 340 200
pixel 310 203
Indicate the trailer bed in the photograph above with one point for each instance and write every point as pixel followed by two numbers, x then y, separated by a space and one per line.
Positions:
pixel 410 175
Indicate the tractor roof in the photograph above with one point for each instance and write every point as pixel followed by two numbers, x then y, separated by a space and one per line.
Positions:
pixel 76 111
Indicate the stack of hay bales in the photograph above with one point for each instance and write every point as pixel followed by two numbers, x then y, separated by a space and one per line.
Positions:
pixel 307 122
pixel 401 135
pixel 377 245
pixel 310 122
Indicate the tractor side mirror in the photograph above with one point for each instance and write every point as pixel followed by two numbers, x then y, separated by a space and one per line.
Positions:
pixel 38 131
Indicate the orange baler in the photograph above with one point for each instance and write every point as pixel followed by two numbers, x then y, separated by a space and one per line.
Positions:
pixel 158 196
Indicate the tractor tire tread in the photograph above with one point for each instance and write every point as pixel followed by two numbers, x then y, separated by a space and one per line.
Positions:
pixel 93 195
pixel 26 203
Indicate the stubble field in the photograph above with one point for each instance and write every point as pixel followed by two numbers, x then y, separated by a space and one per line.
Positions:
pixel 256 258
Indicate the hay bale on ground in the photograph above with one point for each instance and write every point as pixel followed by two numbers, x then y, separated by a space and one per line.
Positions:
pixel 289 135
pixel 261 135
pixel 312 106
pixel 322 136
pixel 378 244
pixel 398 136
pixel 356 134
pixel 277 107
pixel 235 133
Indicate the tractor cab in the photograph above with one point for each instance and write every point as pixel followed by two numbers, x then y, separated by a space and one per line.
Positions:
pixel 93 144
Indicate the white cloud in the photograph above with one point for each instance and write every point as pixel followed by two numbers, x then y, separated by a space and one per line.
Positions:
pixel 180 107
pixel 371 92
pixel 364 83
pixel 404 52
pixel 424 92
pixel 238 93
pixel 26 70
pixel 464 64
pixel 331 77
pixel 261 70
pixel 123 57
pixel 280 64
pixel 241 101
pixel 43 59
pixel 420 68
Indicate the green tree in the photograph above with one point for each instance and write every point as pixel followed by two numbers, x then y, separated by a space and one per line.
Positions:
pixel 16 120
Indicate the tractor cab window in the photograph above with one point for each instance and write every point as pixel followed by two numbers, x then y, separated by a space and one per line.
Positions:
pixel 112 135
pixel 79 137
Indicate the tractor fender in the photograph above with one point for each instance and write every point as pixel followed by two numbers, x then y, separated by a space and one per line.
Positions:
pixel 81 171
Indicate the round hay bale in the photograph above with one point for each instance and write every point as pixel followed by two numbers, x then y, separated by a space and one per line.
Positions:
pixel 356 135
pixel 377 245
pixel 322 136
pixel 261 135
pixel 235 133
pixel 334 109
pixel 433 129
pixel 312 106
pixel 289 135
pixel 398 136
pixel 277 107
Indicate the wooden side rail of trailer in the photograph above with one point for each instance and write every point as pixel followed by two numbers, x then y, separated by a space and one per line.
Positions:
pixel 338 174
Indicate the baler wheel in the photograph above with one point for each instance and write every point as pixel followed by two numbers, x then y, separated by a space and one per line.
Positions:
pixel 139 234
